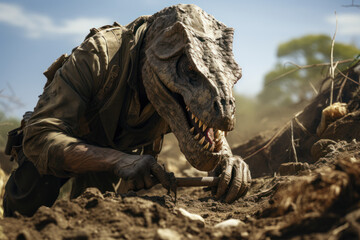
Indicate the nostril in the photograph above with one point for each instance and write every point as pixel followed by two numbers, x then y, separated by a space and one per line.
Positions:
pixel 223 101
pixel 231 102
pixel 217 107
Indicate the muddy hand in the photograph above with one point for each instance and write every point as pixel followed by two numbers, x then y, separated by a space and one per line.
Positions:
pixel 143 171
pixel 234 179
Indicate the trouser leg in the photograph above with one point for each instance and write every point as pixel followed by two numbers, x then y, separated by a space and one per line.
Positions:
pixel 27 190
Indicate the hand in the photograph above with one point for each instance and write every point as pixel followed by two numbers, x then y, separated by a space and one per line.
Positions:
pixel 143 171
pixel 234 179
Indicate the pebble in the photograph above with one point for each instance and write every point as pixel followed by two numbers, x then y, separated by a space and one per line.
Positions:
pixel 167 234
pixel 229 223
pixel 192 217
pixel 91 193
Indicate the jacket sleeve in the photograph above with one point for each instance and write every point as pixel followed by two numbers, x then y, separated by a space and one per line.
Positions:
pixel 56 117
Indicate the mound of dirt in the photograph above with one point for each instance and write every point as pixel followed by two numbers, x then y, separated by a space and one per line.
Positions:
pixel 294 140
pixel 320 202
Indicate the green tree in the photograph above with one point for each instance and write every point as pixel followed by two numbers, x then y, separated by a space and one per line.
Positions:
pixel 300 86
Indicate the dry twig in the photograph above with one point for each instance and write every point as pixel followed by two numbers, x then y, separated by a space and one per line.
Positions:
pixel 292 140
pixel 332 65
pixel 347 78
pixel 298 67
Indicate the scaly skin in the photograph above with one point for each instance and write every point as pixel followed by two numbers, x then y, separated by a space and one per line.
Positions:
pixel 188 73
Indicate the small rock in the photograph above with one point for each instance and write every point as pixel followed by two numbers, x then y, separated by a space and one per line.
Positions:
pixel 192 217
pixel 330 114
pixel 244 234
pixel 91 193
pixel 320 148
pixel 167 234
pixel 229 223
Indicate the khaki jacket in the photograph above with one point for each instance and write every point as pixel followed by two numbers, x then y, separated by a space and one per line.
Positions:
pixel 93 98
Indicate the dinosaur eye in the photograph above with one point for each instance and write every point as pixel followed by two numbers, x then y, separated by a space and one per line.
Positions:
pixel 186 70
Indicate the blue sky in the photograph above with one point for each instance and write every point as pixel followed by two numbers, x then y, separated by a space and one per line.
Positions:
pixel 34 33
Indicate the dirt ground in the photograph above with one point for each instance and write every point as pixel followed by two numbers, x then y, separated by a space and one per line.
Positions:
pixel 316 201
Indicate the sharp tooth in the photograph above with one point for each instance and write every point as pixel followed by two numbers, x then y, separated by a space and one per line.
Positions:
pixel 225 133
pixel 204 127
pixel 218 146
pixel 206 147
pixel 192 130
pixel 196 119
pixel 212 148
pixel 193 116
pixel 197 136
pixel 200 124
pixel 217 134
pixel 202 140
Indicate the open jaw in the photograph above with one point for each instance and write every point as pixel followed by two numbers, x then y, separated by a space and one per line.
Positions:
pixel 208 138
pixel 204 138
pixel 203 146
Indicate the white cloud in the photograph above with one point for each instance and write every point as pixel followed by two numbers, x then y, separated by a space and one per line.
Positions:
pixel 348 23
pixel 40 26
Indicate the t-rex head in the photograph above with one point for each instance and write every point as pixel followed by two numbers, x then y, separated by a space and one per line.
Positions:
pixel 188 74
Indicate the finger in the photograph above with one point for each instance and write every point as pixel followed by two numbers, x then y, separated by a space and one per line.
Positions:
pixel 130 185
pixel 161 175
pixel 244 189
pixel 149 181
pixel 127 174
pixel 139 183
pixel 245 182
pixel 224 179
pixel 236 184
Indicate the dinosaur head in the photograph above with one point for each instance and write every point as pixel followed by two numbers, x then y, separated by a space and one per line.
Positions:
pixel 188 74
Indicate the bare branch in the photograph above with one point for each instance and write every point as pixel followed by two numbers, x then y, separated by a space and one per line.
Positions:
pixel 298 67
pixel 347 78
pixel 292 140
pixel 332 65
pixel 313 87
pixel 9 102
